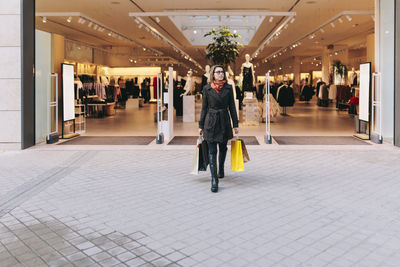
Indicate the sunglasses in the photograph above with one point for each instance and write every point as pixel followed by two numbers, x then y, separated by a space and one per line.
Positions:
pixel 219 72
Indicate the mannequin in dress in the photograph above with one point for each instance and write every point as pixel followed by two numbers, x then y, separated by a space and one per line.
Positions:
pixel 189 86
pixel 206 77
pixel 247 71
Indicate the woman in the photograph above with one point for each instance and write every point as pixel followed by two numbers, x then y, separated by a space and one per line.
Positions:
pixel 215 122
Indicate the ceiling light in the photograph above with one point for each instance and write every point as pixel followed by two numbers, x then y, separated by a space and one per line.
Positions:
pixel 322 30
pixel 349 18
pixel 81 21
pixel 195 32
pixel 271 19
pixel 140 26
pixel 144 48
pixel 157 19
pixel 137 21
pixel 109 34
pixel 286 26
pixel 293 19
pixel 234 31
pixel 336 53
pixel 90 24
pixel 69 19
pixel 340 20
pixel 131 60
pixel 333 25
pixel 95 27
pixel 44 19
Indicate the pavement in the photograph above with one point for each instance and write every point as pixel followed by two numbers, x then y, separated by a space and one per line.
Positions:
pixel 139 206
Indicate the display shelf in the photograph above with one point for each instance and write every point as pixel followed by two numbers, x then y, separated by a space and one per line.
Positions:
pixel 80 120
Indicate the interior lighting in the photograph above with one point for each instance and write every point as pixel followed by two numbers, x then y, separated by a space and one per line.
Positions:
pixel 234 31
pixel 44 19
pixel 109 34
pixel 134 61
pixel 90 24
pixel 271 19
pixel 81 21
pixel 336 53
pixel 333 25
pixel 157 19
pixel 195 32
pixel 286 26
pixel 292 20
pixel 69 19
pixel 340 20
pixel 95 27
pixel 131 60
pixel 137 21
pixel 322 30
pixel 349 18
pixel 140 26
pixel 144 48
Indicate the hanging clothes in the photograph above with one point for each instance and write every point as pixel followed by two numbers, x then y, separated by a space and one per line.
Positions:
pixel 285 96
pixel 332 92
pixel 247 79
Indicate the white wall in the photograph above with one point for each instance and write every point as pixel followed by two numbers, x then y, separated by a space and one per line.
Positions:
pixel 10 75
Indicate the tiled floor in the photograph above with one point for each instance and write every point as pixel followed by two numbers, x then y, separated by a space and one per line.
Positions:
pixel 319 206
pixel 303 120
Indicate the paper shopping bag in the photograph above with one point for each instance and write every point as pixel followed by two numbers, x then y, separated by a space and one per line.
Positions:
pixel 246 157
pixel 237 163
pixel 195 162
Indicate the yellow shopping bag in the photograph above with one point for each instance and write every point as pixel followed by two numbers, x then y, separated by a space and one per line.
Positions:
pixel 237 163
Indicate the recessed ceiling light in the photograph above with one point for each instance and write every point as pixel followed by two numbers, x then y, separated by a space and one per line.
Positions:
pixel 44 19
pixel 157 19
pixel 69 19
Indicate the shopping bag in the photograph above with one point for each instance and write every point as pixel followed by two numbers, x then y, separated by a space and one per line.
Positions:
pixel 195 162
pixel 203 154
pixel 237 163
pixel 246 157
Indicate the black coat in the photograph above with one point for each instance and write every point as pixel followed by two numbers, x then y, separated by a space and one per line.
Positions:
pixel 215 120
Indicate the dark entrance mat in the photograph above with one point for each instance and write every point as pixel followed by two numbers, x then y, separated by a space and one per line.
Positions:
pixel 318 140
pixel 191 140
pixel 110 140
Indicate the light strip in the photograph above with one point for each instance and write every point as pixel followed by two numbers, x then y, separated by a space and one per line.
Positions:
pixel 275 33
pixel 170 43
pixel 212 13
pixel 341 14
pixel 81 15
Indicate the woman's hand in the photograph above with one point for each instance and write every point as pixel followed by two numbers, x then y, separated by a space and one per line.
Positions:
pixel 200 131
pixel 236 130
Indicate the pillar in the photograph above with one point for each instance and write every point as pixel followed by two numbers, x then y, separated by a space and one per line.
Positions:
pixel 10 75
pixel 326 62
pixel 296 70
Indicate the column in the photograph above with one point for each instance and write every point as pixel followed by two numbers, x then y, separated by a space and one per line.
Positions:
pixel 10 75
pixel 397 81
pixel 296 70
pixel 326 62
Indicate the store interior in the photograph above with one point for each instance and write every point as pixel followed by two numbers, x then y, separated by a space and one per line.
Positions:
pixel 307 54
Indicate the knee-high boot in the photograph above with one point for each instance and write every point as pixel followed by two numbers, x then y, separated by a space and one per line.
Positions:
pixel 213 170
pixel 221 162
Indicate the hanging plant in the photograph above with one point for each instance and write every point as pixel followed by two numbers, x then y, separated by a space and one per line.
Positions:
pixel 340 69
pixel 224 49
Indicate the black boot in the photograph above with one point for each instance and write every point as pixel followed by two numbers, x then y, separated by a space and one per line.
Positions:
pixel 213 170
pixel 221 162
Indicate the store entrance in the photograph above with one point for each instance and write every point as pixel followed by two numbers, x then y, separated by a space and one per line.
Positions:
pixel 313 65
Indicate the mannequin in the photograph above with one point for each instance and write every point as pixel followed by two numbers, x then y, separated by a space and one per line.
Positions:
pixel 206 77
pixel 189 86
pixel 247 71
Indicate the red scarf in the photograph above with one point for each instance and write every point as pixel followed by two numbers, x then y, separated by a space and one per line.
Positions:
pixel 217 85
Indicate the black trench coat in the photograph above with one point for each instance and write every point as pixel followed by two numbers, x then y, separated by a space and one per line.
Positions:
pixel 215 120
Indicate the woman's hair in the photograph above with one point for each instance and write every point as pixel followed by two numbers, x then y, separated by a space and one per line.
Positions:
pixel 212 79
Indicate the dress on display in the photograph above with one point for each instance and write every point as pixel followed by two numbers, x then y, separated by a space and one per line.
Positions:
pixel 247 79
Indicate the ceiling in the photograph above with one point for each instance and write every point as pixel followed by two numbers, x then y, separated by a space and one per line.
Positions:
pixel 121 30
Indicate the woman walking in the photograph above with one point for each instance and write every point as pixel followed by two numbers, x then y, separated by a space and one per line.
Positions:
pixel 215 122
